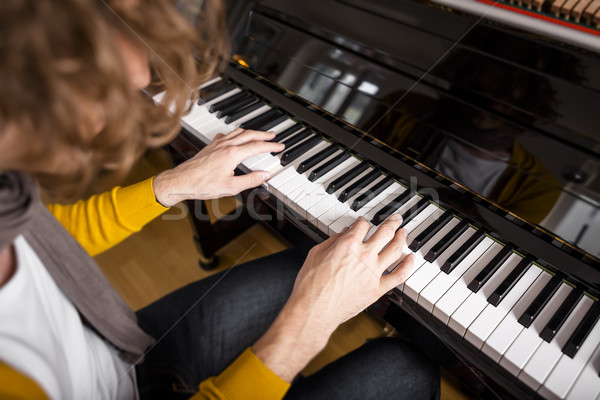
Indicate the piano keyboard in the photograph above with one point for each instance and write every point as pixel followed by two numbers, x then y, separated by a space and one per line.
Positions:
pixel 531 323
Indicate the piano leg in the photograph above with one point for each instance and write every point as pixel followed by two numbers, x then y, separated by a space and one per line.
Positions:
pixel 209 237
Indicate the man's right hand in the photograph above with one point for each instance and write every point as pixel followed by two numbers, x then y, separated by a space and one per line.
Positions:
pixel 340 278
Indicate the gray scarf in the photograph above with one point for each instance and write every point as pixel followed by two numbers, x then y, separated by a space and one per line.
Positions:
pixel 22 213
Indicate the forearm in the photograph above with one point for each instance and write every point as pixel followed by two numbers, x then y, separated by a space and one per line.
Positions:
pixel 106 219
pixel 296 336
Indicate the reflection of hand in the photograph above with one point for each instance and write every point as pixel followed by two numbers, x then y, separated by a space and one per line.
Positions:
pixel 340 278
pixel 210 173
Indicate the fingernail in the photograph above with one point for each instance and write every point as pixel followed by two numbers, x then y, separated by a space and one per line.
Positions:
pixel 403 232
pixel 266 176
pixel 396 217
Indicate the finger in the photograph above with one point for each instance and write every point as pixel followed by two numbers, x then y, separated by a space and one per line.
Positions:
pixel 399 275
pixel 247 181
pixel 385 232
pixel 250 136
pixel 393 251
pixel 330 242
pixel 254 148
pixel 219 136
pixel 358 230
pixel 234 133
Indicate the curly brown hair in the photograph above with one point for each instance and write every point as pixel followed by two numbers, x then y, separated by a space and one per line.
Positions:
pixel 62 77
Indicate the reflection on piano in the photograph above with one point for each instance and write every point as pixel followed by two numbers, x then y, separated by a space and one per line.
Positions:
pixel 483 137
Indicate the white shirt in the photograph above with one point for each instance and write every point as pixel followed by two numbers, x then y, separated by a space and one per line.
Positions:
pixel 42 336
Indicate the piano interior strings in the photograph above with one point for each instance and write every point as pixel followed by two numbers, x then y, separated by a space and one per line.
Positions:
pixel 478 128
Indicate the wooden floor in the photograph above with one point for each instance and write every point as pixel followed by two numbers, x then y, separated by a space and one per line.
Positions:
pixel 163 257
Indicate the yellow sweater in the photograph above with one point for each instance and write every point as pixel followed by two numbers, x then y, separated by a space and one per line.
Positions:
pixel 101 222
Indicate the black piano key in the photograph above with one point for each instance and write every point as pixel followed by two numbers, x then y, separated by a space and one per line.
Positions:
pixel 463 251
pixel 243 112
pixel 446 241
pixel 373 192
pixel 272 123
pixel 511 280
pixel 582 331
pixel 284 134
pixel 294 140
pixel 430 231
pixel 291 155
pixel 256 122
pixel 325 168
pixel 389 209
pixel 238 105
pixel 540 301
pixel 347 177
pixel 414 211
pixel 220 105
pixel 490 269
pixel 558 319
pixel 211 89
pixel 206 96
pixel 317 158
pixel 359 185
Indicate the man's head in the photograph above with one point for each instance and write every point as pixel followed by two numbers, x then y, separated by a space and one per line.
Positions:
pixel 71 74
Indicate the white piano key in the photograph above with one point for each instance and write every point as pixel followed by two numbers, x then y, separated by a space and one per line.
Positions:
pixel 587 385
pixel 547 354
pixel 427 271
pixel 491 316
pixel 221 98
pixel 332 214
pixel 288 123
pixel 281 178
pixel 566 371
pixel 210 134
pixel 210 82
pixel 474 304
pixel 257 158
pixel 459 292
pixel 196 112
pixel 326 202
pixel 522 348
pixel 405 207
pixel 414 227
pixel 271 163
pixel 442 282
pixel 316 191
pixel 368 210
pixel 236 124
pixel 508 330
pixel 299 199
pixel 201 111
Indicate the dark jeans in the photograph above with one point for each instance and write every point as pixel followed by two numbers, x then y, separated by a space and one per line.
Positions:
pixel 203 327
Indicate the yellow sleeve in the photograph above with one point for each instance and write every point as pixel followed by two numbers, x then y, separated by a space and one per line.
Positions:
pixel 18 386
pixel 247 378
pixel 106 219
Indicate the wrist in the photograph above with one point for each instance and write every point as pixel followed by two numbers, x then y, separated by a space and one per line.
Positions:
pixel 162 185
pixel 294 338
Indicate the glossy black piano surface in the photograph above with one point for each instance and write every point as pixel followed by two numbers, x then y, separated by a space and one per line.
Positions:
pixel 496 124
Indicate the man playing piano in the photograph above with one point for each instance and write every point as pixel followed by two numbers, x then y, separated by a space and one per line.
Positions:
pixel 71 107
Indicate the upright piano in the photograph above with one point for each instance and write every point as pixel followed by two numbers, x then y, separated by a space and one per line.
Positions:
pixel 478 121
